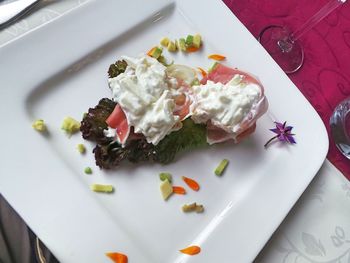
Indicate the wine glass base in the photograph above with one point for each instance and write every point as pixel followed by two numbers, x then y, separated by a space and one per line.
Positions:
pixel 288 54
pixel 340 127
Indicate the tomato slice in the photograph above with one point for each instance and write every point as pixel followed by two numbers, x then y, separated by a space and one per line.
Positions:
pixel 118 121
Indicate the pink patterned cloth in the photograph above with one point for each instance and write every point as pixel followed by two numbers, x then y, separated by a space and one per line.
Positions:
pixel 324 78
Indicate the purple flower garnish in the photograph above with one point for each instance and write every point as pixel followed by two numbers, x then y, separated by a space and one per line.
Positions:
pixel 283 133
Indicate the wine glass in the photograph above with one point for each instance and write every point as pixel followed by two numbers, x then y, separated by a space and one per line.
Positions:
pixel 283 45
pixel 340 127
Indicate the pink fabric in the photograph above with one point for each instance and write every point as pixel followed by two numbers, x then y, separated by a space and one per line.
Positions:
pixel 324 78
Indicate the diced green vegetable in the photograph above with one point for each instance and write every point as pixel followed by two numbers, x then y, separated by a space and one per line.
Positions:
pixel 105 188
pixel 195 82
pixel 199 208
pixel 189 41
pixel 81 148
pixel 88 170
pixel 197 40
pixel 156 52
pixel 164 41
pixel 213 67
pixel 166 189
pixel 171 46
pixel 182 44
pixel 70 125
pixel 39 125
pixel 165 176
pixel 221 167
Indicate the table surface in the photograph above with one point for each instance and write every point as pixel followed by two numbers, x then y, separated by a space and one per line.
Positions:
pixel 317 229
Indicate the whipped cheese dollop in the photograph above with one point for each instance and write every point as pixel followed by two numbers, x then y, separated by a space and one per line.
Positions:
pixel 226 105
pixel 146 95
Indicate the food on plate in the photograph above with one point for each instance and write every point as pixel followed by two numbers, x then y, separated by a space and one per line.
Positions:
pixel 217 57
pixel 179 190
pixel 104 188
pixel 88 170
pixel 39 125
pixel 117 257
pixel 166 189
pixel 283 133
pixel 194 207
pixel 165 176
pixel 191 250
pixel 219 170
pixel 157 111
pixel 191 183
pixel 70 125
pixel 81 148
pixel 189 44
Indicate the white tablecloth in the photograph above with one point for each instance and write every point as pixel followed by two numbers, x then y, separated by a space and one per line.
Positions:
pixel 317 229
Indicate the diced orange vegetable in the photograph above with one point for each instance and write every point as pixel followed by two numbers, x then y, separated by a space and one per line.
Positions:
pixel 149 53
pixel 117 257
pixel 192 49
pixel 180 99
pixel 216 57
pixel 203 72
pixel 179 190
pixel 192 250
pixel 191 183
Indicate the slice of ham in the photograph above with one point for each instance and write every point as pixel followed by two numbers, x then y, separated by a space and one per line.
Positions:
pixel 216 134
pixel 117 120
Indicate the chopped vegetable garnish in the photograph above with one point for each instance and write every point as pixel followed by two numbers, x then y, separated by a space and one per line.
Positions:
pixel 81 148
pixel 191 183
pixel 155 52
pixel 192 207
pixel 164 41
pixel 284 133
pixel 192 49
pixel 182 44
pixel 166 189
pixel 197 40
pixel 105 188
pixel 189 40
pixel 117 257
pixel 195 82
pixel 217 57
pixel 165 176
pixel 70 125
pixel 88 170
pixel 203 72
pixel 179 190
pixel 192 250
pixel 171 46
pixel 213 67
pixel 221 167
pixel 39 125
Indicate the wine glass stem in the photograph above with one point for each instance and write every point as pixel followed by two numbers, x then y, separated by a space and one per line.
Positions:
pixel 322 13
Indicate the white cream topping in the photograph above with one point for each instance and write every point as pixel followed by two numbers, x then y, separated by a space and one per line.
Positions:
pixel 145 94
pixel 225 105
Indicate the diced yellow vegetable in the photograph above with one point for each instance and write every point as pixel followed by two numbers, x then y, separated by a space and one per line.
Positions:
pixel 171 46
pixel 193 208
pixel 197 40
pixel 105 188
pixel 221 167
pixel 39 125
pixel 164 41
pixel 70 125
pixel 81 148
pixel 166 189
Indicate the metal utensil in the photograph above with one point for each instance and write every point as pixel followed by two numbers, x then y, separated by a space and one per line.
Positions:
pixel 10 12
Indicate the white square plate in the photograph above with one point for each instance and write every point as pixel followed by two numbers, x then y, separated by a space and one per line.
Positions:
pixel 60 69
